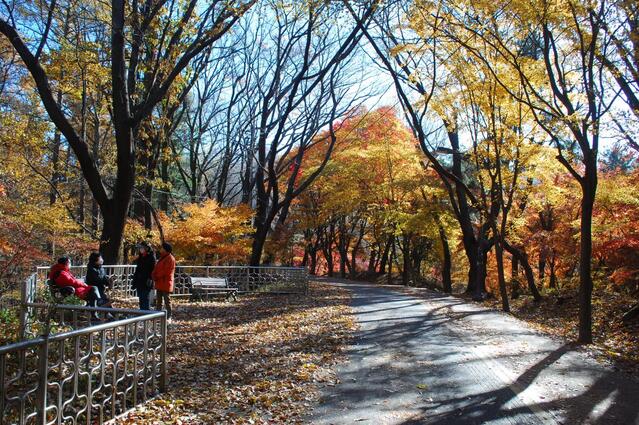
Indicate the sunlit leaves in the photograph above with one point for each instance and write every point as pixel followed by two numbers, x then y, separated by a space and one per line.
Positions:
pixel 208 233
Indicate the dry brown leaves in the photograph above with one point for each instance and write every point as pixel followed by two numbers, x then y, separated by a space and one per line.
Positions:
pixel 256 361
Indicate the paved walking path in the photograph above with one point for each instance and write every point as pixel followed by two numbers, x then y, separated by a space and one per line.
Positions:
pixel 440 360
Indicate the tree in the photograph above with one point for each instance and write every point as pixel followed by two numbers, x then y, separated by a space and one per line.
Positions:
pixel 620 59
pixel 414 60
pixel 148 51
pixel 552 49
pixel 373 199
pixel 304 83
pixel 32 230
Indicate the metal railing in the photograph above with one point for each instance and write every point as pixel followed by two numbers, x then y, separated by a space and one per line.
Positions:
pixel 246 278
pixel 87 373
pixel 78 371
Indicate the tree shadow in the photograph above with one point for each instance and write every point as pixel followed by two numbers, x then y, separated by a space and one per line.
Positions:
pixel 398 349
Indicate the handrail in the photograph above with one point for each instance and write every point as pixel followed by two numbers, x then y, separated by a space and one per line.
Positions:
pixel 103 370
pixel 194 267
pixel 260 279
pixel 96 309
pixel 79 332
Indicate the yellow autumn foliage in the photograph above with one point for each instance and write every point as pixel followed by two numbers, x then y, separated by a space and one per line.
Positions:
pixel 209 233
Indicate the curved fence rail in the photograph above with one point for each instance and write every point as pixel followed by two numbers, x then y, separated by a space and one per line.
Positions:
pixel 247 279
pixel 87 373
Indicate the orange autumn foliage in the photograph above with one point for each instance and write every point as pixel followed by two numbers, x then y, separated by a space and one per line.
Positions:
pixel 211 234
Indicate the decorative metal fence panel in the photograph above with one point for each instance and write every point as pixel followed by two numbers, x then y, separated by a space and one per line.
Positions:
pixel 121 274
pixel 283 280
pixel 86 374
pixel 245 278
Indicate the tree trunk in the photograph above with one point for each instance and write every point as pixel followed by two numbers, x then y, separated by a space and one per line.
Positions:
pixel 372 261
pixel 95 150
pixel 164 197
pixel 447 264
pixel 259 239
pixel 390 263
pixel 115 213
pixel 589 189
pixel 385 255
pixel 479 288
pixel 406 268
pixel 247 187
pixel 542 263
pixel 313 267
pixel 469 239
pixel 553 276
pixel 342 264
pixel 499 254
pixel 355 249
pixel 113 231
pixel 81 203
pixel 328 256
pixel 417 254
pixel 95 216
pixel 473 268
pixel 522 258
pixel 55 162
pixel 514 267
pixel 148 193
pixel 57 138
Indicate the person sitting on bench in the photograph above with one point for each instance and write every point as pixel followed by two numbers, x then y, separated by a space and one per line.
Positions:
pixel 96 275
pixel 62 277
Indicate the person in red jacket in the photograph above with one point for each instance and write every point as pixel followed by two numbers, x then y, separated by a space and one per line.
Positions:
pixel 61 276
pixel 163 275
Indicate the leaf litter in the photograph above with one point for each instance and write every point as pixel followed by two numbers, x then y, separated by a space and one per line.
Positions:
pixel 258 361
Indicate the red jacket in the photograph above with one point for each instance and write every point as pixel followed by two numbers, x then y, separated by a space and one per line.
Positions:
pixel 61 276
pixel 163 273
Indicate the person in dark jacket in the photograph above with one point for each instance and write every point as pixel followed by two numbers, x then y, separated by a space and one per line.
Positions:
pixel 96 276
pixel 142 276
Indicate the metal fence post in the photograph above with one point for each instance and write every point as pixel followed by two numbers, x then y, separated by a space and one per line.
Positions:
pixel 163 377
pixel 43 372
pixel 247 285
pixel 25 296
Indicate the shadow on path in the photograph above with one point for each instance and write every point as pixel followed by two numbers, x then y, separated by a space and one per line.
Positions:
pixel 432 361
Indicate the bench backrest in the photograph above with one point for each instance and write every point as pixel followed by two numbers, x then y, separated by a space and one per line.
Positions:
pixel 219 282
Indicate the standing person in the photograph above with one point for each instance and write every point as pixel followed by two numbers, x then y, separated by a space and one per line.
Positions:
pixel 145 263
pixel 163 278
pixel 96 276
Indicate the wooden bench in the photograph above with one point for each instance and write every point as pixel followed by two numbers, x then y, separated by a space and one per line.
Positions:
pixel 204 287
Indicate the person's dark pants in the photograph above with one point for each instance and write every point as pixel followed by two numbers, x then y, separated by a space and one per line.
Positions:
pixel 144 296
pixel 166 296
pixel 102 291
pixel 93 297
